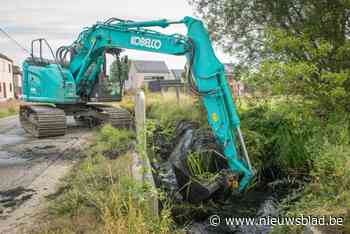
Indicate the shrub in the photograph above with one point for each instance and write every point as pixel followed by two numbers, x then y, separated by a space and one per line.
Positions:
pixel 328 192
pixel 278 135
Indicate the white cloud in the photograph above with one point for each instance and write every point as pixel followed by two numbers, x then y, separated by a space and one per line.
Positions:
pixel 61 21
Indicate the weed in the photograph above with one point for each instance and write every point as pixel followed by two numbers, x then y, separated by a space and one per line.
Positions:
pixel 198 167
pixel 114 142
pixel 127 103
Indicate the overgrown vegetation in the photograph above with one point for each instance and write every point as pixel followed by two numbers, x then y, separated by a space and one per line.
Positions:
pixel 280 135
pixel 167 110
pixel 328 193
pixel 163 115
pixel 101 196
pixel 114 142
pixel 290 138
pixel 293 56
pixel 285 138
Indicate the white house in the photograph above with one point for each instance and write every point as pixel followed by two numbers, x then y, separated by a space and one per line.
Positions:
pixel 143 71
pixel 6 78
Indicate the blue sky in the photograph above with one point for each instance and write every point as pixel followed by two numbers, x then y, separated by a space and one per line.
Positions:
pixel 60 22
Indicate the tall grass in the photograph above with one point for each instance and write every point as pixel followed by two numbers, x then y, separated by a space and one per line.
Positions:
pixel 163 116
pixel 329 192
pixel 294 138
pixel 113 142
pixel 167 111
pixel 100 195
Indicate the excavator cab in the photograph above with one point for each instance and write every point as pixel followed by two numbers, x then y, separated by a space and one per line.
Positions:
pixel 110 88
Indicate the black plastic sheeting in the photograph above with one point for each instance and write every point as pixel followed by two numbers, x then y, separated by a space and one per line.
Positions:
pixel 174 174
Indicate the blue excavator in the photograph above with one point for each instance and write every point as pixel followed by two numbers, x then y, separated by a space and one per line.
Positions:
pixel 73 84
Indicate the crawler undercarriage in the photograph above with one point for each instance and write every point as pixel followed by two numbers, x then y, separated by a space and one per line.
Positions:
pixel 42 120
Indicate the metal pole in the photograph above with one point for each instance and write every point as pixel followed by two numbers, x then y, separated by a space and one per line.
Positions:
pixel 245 152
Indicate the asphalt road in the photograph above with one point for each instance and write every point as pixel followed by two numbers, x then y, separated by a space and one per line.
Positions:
pixel 30 168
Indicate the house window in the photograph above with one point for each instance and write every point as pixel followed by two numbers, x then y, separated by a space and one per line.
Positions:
pixel 9 68
pixel 4 85
pixel 10 87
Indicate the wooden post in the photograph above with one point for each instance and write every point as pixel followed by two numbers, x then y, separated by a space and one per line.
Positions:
pixel 141 169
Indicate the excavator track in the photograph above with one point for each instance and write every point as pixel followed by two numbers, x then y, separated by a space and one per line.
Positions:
pixel 43 121
pixel 117 117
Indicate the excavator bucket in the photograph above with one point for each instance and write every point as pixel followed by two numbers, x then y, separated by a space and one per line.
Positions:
pixel 195 191
pixel 192 188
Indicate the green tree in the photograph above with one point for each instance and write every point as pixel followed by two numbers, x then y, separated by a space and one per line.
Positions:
pixel 300 47
pixel 119 73
pixel 119 70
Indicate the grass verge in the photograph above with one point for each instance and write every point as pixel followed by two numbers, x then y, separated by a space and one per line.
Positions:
pixel 100 195
pixel 9 108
